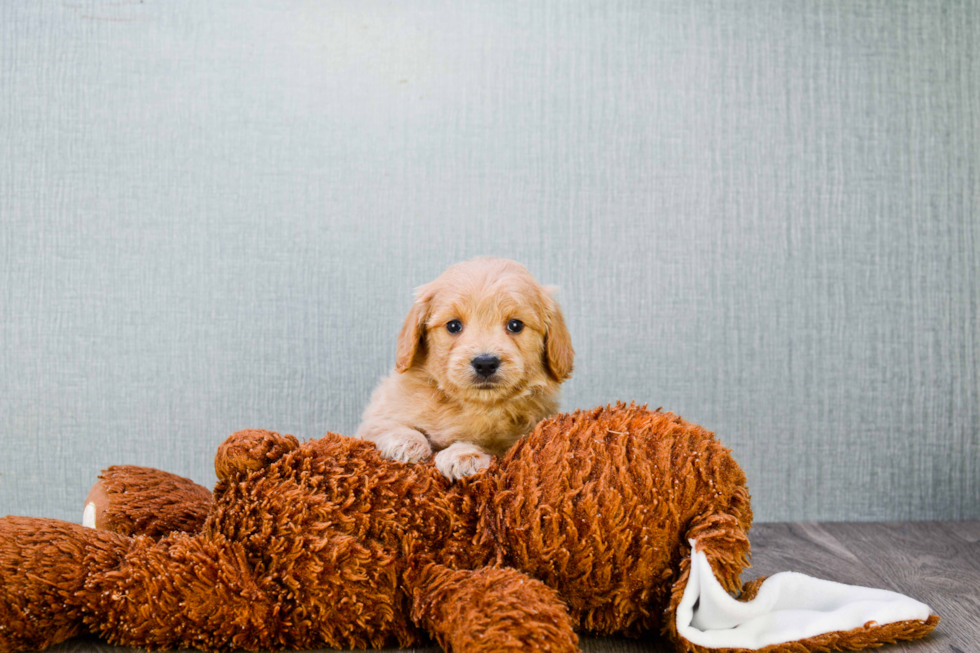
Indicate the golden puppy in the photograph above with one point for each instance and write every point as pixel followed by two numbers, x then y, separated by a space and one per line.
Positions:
pixel 480 359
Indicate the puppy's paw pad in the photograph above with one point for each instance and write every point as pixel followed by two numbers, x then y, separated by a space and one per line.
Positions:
pixel 456 463
pixel 406 448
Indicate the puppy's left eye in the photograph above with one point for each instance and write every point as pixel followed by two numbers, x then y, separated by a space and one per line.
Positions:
pixel 515 326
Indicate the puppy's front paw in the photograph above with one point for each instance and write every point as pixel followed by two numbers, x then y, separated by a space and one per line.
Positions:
pixel 405 446
pixel 461 459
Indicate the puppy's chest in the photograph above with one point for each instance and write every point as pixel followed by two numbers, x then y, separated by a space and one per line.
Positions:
pixel 492 428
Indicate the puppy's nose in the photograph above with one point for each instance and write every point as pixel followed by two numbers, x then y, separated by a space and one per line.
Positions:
pixel 485 365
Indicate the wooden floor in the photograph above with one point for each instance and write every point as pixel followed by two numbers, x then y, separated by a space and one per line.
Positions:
pixel 935 562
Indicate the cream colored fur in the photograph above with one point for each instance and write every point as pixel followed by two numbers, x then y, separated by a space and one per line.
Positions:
pixel 434 401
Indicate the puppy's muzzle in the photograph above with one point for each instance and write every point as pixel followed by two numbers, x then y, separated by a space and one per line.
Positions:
pixel 485 365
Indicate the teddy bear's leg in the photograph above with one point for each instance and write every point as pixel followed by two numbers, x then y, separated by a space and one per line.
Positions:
pixel 44 564
pixel 723 540
pixel 786 612
pixel 143 501
pixel 490 609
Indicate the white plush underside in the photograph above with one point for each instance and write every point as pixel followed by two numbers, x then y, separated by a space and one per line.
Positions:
pixel 88 516
pixel 788 607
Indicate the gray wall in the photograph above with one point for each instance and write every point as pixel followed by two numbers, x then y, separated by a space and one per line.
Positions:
pixel 762 215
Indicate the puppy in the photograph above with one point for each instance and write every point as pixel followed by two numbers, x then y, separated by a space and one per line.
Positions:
pixel 480 359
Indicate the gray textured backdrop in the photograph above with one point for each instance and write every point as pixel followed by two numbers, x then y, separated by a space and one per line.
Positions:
pixel 762 215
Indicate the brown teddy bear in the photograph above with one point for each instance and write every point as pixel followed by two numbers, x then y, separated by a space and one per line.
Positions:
pixel 614 520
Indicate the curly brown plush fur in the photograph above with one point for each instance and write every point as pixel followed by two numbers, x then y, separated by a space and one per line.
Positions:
pixel 138 500
pixel 584 525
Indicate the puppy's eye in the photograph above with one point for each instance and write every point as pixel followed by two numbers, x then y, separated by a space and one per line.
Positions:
pixel 454 326
pixel 515 326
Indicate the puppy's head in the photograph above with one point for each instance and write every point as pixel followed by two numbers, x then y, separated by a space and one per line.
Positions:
pixel 485 330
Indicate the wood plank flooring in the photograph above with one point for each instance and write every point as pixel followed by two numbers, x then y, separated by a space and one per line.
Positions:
pixel 935 562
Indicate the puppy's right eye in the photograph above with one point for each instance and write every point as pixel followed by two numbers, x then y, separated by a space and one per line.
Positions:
pixel 454 326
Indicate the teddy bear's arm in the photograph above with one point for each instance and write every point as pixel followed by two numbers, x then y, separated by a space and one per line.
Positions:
pixel 44 566
pixel 135 500
pixel 58 579
pixel 490 609
pixel 250 450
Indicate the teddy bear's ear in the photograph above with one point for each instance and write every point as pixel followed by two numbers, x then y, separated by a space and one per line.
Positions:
pixel 132 500
pixel 412 336
pixel 559 354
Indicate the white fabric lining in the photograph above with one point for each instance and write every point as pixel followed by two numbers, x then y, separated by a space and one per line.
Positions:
pixel 789 607
pixel 88 516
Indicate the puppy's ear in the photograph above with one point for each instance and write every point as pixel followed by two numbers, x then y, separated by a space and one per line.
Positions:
pixel 558 352
pixel 412 334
